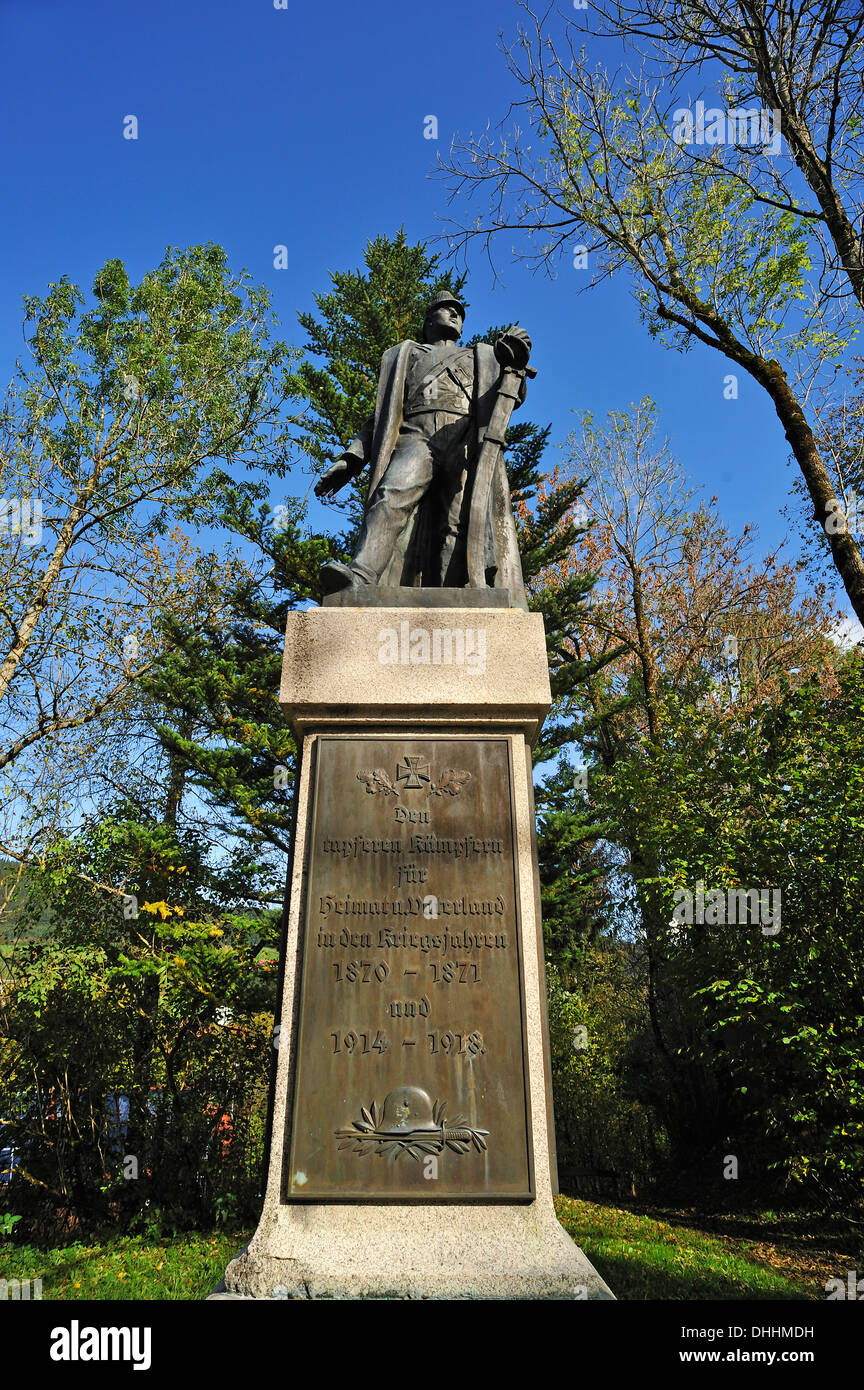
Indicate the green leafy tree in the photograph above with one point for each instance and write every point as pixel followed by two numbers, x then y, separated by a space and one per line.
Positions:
pixel 165 1005
pixel 691 629
pixel 601 161
pixel 771 1006
pixel 132 417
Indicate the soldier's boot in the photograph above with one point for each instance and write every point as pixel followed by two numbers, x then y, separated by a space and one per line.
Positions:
pixel 335 576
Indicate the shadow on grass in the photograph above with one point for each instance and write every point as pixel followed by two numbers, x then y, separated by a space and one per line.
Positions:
pixel 791 1228
pixel 679 1286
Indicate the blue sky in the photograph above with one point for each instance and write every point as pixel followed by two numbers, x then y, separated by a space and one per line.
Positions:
pixel 304 127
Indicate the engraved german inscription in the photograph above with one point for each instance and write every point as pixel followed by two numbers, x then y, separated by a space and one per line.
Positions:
pixel 411 1025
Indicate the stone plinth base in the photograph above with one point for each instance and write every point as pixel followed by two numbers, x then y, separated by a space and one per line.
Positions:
pixel 443 749
pixel 437 1252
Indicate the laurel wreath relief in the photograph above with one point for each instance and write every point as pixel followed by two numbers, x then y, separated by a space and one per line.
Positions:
pixel 366 1137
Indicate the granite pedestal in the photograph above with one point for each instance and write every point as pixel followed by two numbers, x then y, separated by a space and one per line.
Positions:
pixel 412 1152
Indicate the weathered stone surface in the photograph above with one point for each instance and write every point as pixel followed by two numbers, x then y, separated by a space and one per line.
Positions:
pixel 428 668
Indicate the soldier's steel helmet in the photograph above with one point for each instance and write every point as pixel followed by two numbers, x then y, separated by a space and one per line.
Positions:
pixel 444 297
pixel 407 1108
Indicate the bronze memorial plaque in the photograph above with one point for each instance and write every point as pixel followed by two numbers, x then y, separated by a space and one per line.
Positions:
pixel 411 1078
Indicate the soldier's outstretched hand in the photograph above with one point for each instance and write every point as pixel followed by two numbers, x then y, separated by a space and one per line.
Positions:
pixel 336 477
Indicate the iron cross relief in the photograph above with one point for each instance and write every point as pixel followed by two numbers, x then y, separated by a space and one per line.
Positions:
pixel 412 773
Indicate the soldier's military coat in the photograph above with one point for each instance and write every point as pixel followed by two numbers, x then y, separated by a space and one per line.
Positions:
pixel 375 445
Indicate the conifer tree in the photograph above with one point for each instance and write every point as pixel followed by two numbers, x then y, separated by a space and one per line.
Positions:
pixel 243 756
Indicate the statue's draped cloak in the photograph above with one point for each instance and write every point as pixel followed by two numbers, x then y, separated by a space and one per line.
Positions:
pixel 412 561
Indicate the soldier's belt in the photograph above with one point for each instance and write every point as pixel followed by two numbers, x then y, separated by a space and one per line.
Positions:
pixel 435 410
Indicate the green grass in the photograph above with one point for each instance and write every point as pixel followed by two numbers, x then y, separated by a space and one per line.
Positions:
pixel 640 1257
pixel 187 1266
pixel 643 1258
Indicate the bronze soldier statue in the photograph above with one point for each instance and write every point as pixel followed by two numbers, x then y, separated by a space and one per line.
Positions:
pixel 438 512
